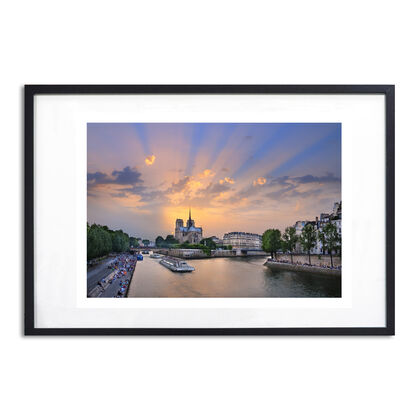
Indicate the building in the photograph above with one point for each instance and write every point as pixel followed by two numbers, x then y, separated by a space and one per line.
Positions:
pixel 189 233
pixel 216 240
pixel 244 240
pixel 335 217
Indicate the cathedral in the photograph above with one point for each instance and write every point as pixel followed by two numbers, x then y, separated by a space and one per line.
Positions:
pixel 188 233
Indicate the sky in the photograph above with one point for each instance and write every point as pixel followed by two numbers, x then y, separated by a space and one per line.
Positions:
pixel 235 177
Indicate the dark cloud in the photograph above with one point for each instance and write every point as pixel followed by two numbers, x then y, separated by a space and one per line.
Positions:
pixel 328 178
pixel 127 176
pixel 290 185
pixel 308 178
pixel 98 178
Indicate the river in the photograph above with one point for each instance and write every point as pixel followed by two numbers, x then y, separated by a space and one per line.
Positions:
pixel 228 277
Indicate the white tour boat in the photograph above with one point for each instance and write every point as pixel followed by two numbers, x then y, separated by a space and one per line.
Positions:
pixel 156 256
pixel 176 265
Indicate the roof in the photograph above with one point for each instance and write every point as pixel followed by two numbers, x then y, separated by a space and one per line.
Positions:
pixel 190 229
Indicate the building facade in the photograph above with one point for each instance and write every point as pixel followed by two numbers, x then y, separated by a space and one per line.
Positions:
pixel 335 217
pixel 189 233
pixel 244 240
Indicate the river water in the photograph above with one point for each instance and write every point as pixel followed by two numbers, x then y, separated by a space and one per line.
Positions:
pixel 228 277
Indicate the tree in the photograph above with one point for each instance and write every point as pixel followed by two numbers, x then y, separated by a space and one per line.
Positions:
pixel 159 241
pixel 98 241
pixel 120 241
pixel 209 243
pixel 134 242
pixel 308 239
pixel 146 242
pixel 322 238
pixel 290 238
pixel 332 239
pixel 171 241
pixel 271 241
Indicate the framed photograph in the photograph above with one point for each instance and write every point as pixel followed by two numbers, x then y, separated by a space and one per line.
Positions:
pixel 209 209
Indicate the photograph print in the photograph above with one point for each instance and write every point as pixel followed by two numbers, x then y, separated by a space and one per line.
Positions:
pixel 214 210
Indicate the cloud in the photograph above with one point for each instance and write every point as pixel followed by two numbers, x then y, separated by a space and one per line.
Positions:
pixel 328 178
pixel 127 176
pixel 227 180
pixel 206 173
pixel 260 181
pixel 98 178
pixel 214 189
pixel 279 194
pixel 300 186
pixel 150 160
pixel 179 185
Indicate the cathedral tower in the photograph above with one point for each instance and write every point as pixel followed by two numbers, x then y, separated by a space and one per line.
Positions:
pixel 190 222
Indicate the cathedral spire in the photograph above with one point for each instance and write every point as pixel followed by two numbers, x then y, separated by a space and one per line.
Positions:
pixel 190 214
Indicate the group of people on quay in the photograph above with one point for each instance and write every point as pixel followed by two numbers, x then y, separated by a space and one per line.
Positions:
pixel 123 267
pixel 305 264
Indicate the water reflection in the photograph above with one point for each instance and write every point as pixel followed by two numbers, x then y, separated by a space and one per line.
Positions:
pixel 228 277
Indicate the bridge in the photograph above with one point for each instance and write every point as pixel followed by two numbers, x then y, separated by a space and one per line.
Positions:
pixel 220 253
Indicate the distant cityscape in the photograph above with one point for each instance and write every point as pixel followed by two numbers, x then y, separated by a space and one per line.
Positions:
pixel 193 234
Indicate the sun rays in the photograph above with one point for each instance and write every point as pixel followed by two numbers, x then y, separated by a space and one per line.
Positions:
pixel 230 174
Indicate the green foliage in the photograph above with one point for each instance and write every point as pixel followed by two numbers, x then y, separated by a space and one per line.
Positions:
pixel 169 242
pixel 322 239
pixel 98 241
pixel 101 241
pixel 134 242
pixel 271 241
pixel 146 242
pixel 159 241
pixel 120 241
pixel 289 239
pixel 209 243
pixel 308 239
pixel 331 239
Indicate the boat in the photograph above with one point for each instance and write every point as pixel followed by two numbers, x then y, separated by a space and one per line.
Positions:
pixel 140 257
pixel 156 256
pixel 176 265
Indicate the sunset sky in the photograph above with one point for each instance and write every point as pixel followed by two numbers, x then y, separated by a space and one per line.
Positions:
pixel 235 177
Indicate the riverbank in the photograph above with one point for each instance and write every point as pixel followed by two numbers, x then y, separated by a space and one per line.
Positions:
pixel 115 282
pixel 284 266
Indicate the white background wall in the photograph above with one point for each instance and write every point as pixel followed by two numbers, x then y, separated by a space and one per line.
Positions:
pixel 203 42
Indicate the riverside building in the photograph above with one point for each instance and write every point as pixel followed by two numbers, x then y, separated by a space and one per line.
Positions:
pixel 335 217
pixel 244 240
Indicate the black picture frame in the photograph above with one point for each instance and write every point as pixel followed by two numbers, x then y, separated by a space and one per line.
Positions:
pixel 387 90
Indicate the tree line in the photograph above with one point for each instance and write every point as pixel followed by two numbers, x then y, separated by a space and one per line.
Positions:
pixel 206 245
pixel 101 241
pixel 273 241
